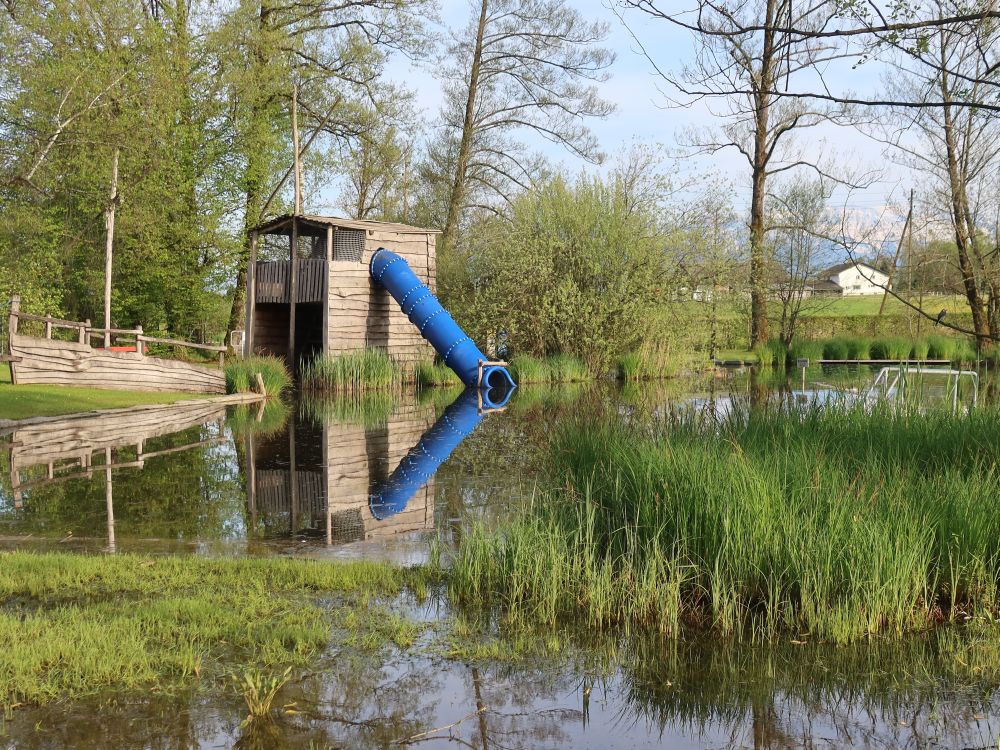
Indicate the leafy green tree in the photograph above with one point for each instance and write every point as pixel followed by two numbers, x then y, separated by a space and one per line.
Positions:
pixel 576 269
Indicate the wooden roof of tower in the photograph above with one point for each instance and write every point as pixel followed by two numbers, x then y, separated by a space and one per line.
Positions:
pixel 283 225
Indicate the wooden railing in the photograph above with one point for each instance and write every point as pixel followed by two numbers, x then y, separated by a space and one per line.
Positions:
pixel 274 277
pixel 86 332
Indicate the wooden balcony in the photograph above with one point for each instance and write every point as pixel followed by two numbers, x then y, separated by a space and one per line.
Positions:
pixel 273 280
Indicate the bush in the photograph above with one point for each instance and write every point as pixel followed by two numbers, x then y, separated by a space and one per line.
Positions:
pixel 241 374
pixel 574 268
pixel 355 371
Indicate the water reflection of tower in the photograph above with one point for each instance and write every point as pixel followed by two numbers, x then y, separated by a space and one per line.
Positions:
pixel 314 478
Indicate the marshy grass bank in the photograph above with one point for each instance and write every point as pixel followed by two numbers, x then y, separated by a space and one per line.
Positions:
pixel 830 524
pixel 77 625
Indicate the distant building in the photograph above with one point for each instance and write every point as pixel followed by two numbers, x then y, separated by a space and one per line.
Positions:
pixel 849 280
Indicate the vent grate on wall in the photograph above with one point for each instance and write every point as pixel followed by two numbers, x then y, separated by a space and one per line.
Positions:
pixel 349 244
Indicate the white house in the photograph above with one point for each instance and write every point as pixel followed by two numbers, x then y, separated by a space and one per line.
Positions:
pixel 855 279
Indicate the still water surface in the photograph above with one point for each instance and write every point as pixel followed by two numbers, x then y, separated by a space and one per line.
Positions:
pixel 300 480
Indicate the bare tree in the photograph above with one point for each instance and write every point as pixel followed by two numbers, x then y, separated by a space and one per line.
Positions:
pixel 520 66
pixel 799 221
pixel 745 55
pixel 957 148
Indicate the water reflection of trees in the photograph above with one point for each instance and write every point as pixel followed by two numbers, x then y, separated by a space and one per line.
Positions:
pixel 786 695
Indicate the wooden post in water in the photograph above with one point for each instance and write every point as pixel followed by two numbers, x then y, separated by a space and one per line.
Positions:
pixel 295 150
pixel 109 500
pixel 109 221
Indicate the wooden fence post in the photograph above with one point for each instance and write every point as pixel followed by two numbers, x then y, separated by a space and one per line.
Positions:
pixel 84 339
pixel 48 329
pixel 15 308
pixel 139 348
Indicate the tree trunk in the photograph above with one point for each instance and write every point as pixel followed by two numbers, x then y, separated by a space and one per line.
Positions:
pixel 963 232
pixel 465 146
pixel 253 180
pixel 759 332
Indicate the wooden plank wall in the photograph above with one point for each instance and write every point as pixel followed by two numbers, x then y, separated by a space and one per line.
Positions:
pixel 53 362
pixel 363 314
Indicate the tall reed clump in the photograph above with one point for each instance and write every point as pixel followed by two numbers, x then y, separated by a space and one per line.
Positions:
pixel 556 368
pixel 771 354
pixel 435 375
pixel 654 360
pixel 940 347
pixel 241 374
pixel 836 523
pixel 805 349
pixel 354 371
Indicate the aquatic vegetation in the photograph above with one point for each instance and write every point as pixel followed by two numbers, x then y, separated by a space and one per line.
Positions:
pixel 558 368
pixel 259 688
pixel 366 408
pixel 805 349
pixel 65 632
pixel 652 361
pixel 771 354
pixel 241 374
pixel 261 419
pixel 354 371
pixel 835 523
pixel 435 375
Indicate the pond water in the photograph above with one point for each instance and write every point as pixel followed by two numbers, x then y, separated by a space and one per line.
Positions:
pixel 323 479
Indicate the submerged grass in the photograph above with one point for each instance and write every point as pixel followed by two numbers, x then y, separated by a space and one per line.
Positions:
pixel 835 523
pixel 73 625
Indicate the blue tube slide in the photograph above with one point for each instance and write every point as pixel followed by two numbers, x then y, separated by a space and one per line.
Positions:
pixel 436 325
pixel 423 460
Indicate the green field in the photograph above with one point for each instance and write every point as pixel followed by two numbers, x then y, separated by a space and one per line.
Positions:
pixel 24 401
pixel 845 307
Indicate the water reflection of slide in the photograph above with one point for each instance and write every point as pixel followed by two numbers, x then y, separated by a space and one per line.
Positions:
pixel 435 446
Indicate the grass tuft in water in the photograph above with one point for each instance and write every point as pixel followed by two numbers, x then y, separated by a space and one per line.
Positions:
pixel 259 688
pixel 557 368
pixel 241 374
pixel 435 375
pixel 355 371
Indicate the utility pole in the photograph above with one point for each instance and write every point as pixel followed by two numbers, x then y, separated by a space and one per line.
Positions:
pixel 109 223
pixel 899 246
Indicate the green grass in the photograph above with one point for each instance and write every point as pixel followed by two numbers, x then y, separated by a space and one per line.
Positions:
pixel 653 361
pixel 435 375
pixel 25 401
pixel 74 625
pixel 355 371
pixel 771 354
pixel 557 368
pixel 837 524
pixel 241 374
